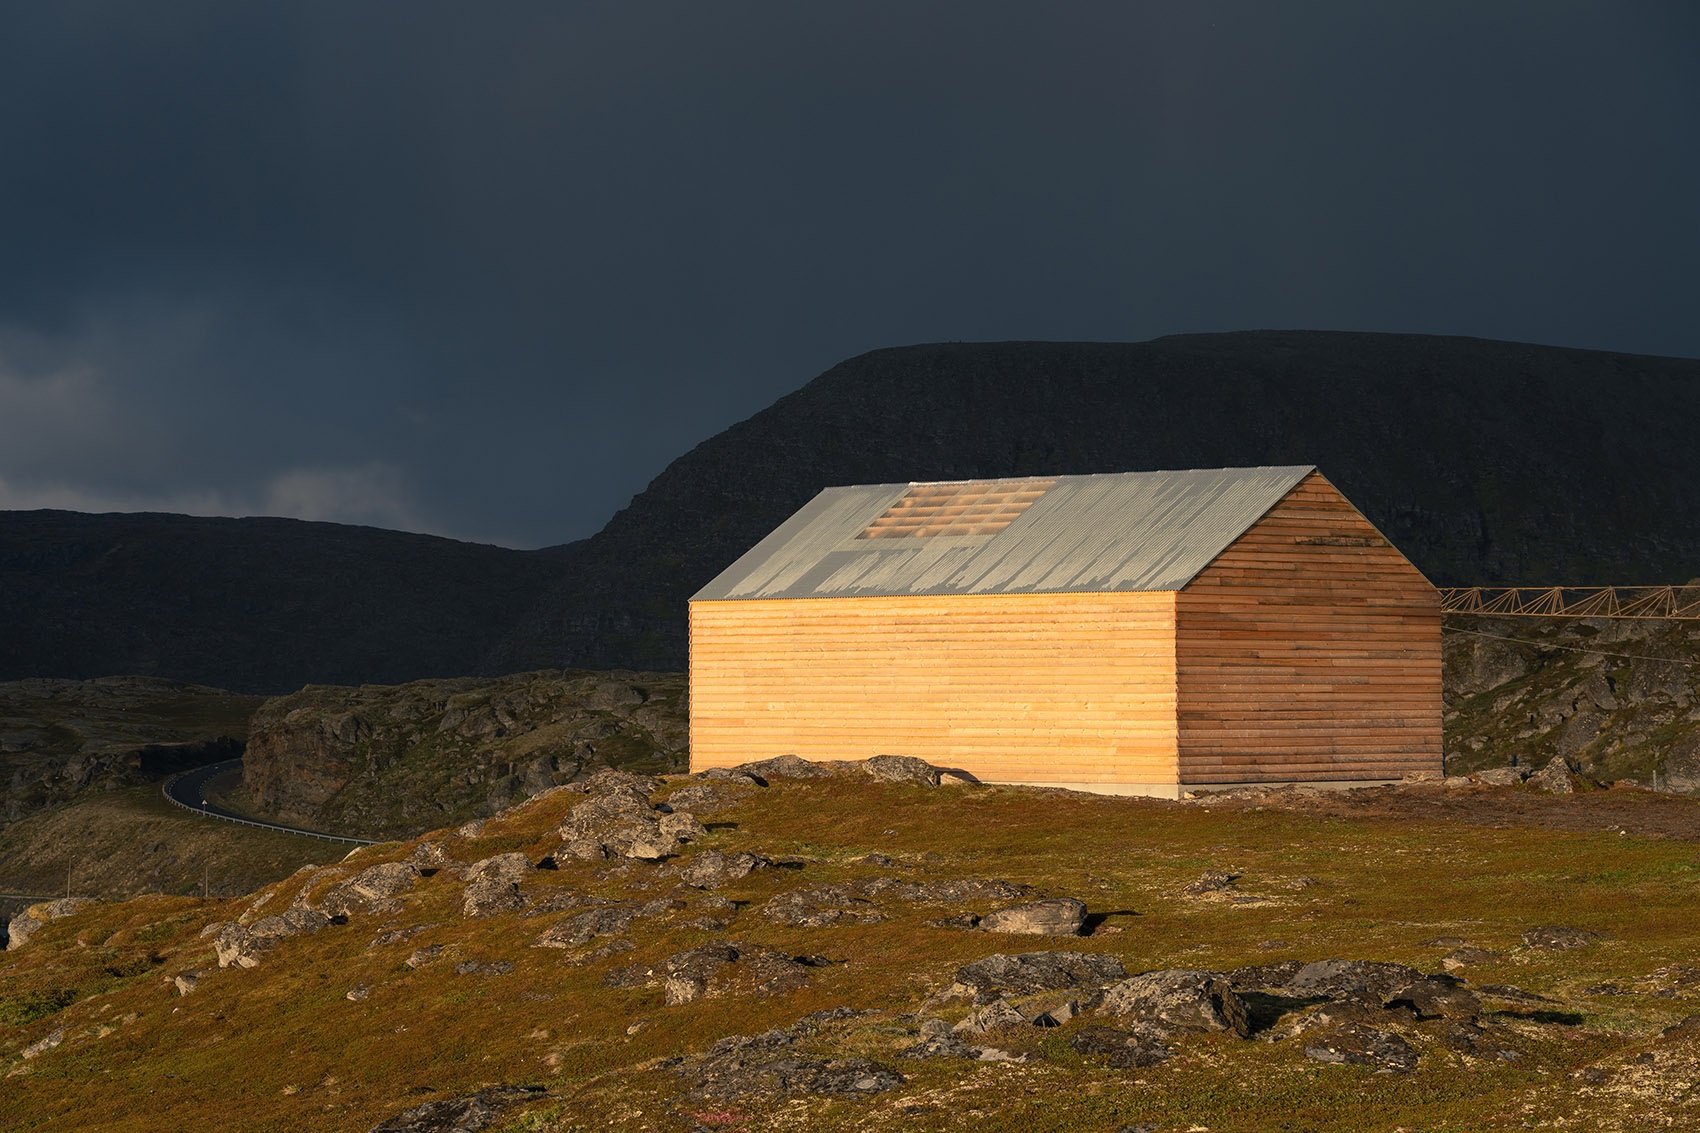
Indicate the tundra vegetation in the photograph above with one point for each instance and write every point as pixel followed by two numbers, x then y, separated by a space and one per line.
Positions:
pixel 853 946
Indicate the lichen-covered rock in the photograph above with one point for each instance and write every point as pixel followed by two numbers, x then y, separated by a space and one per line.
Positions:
pixel 242 945
pixel 1030 972
pixel 1436 997
pixel 372 891
pixel 901 769
pixel 1368 979
pixel 1178 1000
pixel 492 885
pixel 821 906
pixel 711 869
pixel 761 1066
pixel 997 1013
pixel 27 923
pixel 1558 777
pixel 1363 1046
pixel 1560 938
pixel 783 767
pixel 1053 916
pixel 1212 881
pixel 605 920
pixel 460 1115
pixel 1121 1049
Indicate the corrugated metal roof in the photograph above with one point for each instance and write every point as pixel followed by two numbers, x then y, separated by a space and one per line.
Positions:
pixel 1086 534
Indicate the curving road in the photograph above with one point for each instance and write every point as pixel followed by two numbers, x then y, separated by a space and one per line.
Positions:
pixel 187 789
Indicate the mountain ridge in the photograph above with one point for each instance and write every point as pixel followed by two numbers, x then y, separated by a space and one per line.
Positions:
pixel 1524 491
pixel 1486 462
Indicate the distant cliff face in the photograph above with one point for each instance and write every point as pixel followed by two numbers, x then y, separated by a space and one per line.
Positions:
pixel 391 761
pixel 65 740
pixel 1483 461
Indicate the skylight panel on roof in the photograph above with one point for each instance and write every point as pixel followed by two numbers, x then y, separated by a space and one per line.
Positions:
pixel 971 507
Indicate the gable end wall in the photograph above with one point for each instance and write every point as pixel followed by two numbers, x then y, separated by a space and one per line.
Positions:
pixel 1309 649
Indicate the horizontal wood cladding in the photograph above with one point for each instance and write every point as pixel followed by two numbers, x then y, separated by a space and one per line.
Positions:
pixel 1060 688
pixel 1309 649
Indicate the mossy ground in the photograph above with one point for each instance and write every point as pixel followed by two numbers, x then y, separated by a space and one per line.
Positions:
pixel 280 1047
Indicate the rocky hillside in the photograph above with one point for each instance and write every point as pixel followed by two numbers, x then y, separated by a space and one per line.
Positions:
pixel 62 740
pixel 391 761
pixel 876 946
pixel 256 605
pixel 1486 462
pixel 1619 699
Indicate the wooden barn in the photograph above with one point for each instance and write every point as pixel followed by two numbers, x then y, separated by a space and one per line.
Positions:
pixel 1136 633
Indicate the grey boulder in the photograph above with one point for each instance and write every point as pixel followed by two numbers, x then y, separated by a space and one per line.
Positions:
pixel 901 769
pixel 1053 916
pixel 372 891
pixel 1556 778
pixel 1178 1000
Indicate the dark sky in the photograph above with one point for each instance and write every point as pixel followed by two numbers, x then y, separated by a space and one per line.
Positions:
pixel 483 269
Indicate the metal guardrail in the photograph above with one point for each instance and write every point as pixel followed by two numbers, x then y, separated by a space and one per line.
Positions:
pixel 165 789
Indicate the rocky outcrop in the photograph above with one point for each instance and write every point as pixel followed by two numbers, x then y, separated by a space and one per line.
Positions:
pixel 719 969
pixel 1053 916
pixel 459 1115
pixel 27 923
pixel 1558 777
pixel 1177 1001
pixel 1121 1049
pixel 864 901
pixel 379 761
pixel 766 1067
pixel 1361 1045
pixel 710 869
pixel 61 740
pixel 605 920
pixel 1578 699
pixel 619 820
pixel 492 885
pixel 244 946
pixel 984 980
pixel 372 891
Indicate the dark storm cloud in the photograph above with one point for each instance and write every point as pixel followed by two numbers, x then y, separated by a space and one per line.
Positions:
pixel 484 270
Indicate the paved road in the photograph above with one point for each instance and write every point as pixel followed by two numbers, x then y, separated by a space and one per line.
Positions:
pixel 188 790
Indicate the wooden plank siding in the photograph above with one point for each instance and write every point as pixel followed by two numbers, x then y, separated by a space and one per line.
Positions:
pixel 1308 649
pixel 1052 688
